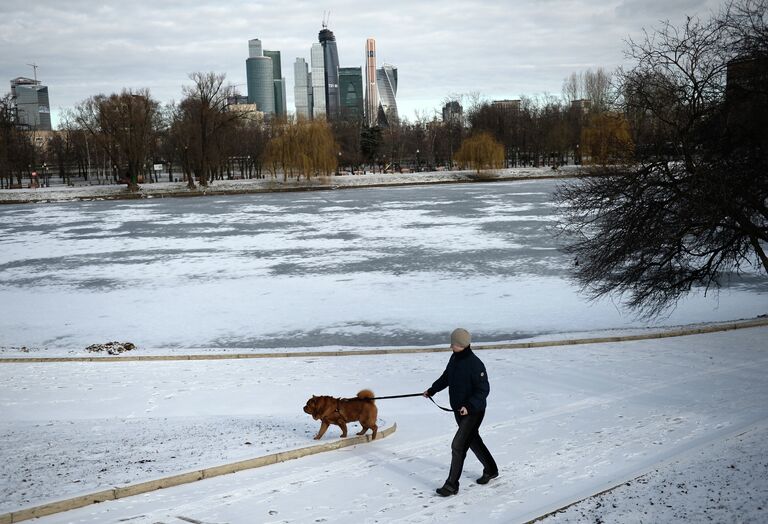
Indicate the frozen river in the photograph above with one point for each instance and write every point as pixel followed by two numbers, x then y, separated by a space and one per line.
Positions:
pixel 360 267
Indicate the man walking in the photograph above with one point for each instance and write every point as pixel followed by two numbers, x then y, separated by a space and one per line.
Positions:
pixel 467 383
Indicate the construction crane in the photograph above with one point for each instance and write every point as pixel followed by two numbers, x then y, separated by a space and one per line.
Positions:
pixel 34 69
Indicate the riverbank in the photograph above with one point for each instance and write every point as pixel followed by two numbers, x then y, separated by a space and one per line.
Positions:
pixel 272 185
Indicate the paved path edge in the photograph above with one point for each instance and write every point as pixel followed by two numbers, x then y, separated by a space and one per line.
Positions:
pixel 130 490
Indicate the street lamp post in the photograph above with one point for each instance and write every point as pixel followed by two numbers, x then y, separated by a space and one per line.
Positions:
pixel 418 165
pixel 186 165
pixel 338 165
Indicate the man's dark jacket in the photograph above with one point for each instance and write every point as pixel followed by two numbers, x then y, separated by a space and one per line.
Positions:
pixel 466 380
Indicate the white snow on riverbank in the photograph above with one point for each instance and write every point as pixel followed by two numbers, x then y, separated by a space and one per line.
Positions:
pixel 160 189
pixel 563 423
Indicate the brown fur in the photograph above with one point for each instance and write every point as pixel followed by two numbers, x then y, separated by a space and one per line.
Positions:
pixel 339 411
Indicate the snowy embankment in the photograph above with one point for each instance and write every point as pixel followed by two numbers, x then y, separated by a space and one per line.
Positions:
pixel 223 187
pixel 722 481
pixel 563 423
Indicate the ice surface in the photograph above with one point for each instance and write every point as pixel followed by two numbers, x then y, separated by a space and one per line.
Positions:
pixel 358 268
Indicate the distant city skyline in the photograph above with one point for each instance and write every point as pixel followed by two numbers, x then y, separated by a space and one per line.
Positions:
pixel 497 51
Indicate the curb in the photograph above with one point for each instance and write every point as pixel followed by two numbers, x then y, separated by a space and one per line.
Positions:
pixel 727 326
pixel 650 469
pixel 184 478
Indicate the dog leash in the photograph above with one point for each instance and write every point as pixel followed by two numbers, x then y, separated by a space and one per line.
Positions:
pixel 415 395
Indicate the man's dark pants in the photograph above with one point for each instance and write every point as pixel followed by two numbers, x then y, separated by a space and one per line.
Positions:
pixel 467 437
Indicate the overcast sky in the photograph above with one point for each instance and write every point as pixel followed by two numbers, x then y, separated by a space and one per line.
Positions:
pixel 501 49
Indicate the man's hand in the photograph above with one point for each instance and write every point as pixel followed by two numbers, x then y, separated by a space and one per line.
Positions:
pixel 426 394
pixel 463 411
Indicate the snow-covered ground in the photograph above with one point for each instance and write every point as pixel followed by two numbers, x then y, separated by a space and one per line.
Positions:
pixel 563 423
pixel 721 481
pixel 360 268
pixel 162 189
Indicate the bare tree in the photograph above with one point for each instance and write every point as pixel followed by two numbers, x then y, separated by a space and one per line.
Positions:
pixel 695 208
pixel 204 118
pixel 573 88
pixel 10 143
pixel 124 126
pixel 593 86
pixel 745 22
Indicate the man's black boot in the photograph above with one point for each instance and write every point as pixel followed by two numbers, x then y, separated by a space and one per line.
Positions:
pixel 447 490
pixel 487 477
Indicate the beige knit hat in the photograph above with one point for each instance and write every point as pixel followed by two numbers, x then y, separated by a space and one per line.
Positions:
pixel 460 337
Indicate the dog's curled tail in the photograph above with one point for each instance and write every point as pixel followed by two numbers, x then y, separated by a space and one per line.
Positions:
pixel 366 393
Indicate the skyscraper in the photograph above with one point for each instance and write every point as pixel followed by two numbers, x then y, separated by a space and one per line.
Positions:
pixel 351 93
pixel 278 81
pixel 386 79
pixel 260 77
pixel 452 112
pixel 318 81
pixel 371 90
pixel 302 89
pixel 331 64
pixel 30 98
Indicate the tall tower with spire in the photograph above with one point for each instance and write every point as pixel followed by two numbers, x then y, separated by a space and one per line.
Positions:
pixel 371 89
pixel 331 64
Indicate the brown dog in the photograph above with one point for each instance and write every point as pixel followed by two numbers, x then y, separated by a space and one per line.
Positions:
pixel 339 411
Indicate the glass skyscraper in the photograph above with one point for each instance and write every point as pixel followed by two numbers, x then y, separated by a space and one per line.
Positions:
pixel 259 73
pixel 278 81
pixel 30 98
pixel 386 78
pixel 318 81
pixel 302 90
pixel 331 64
pixel 351 92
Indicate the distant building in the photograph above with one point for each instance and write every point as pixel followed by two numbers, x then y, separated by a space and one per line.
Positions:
pixel 351 92
pixel 260 78
pixel 453 112
pixel 302 89
pixel 581 106
pixel 240 105
pixel 371 89
pixel 237 100
pixel 386 80
pixel 331 64
pixel 507 105
pixel 278 82
pixel 746 97
pixel 318 81
pixel 31 104
pixel 746 77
